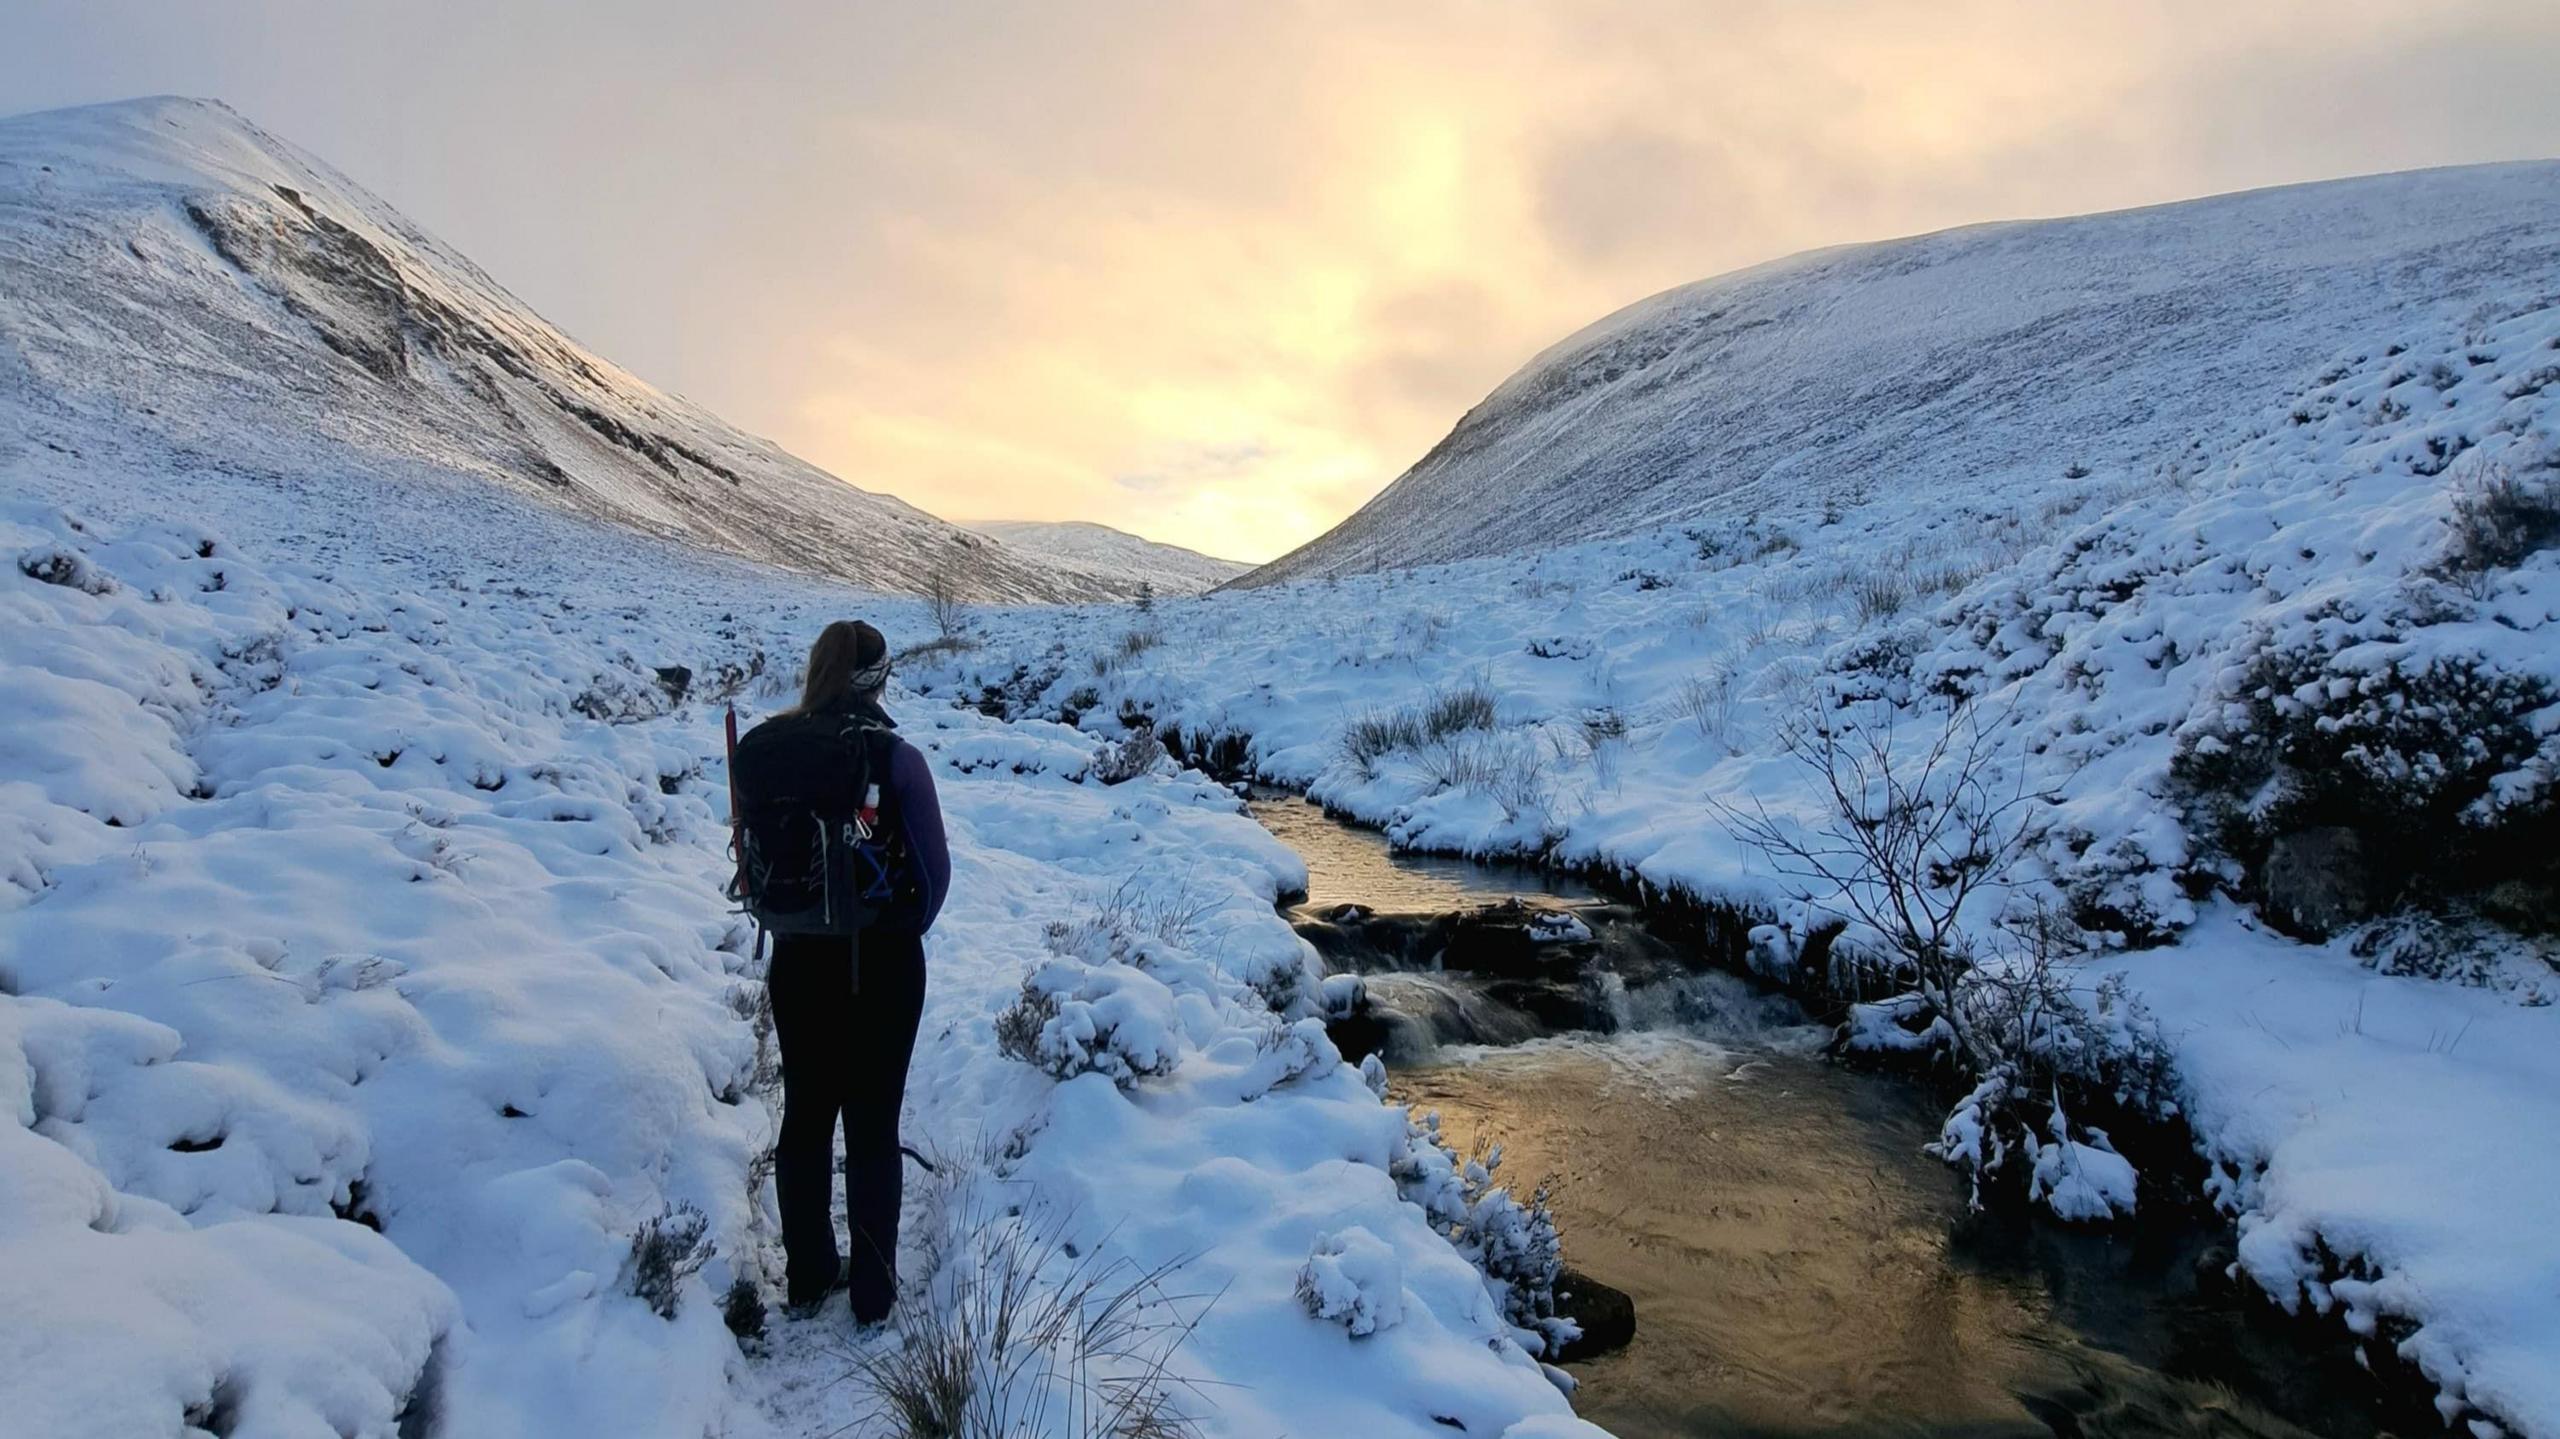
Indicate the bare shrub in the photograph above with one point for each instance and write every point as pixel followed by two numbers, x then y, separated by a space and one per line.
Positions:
pixel 942 595
pixel 1913 832
pixel 1138 642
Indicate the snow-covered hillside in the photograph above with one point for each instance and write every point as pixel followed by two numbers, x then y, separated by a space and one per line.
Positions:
pixel 1116 555
pixel 174 280
pixel 366 993
pixel 367 996
pixel 2306 682
pixel 1954 368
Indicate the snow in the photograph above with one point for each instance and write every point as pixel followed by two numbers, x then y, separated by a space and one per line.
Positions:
pixel 2082 1181
pixel 372 878
pixel 2115 631
pixel 365 987
pixel 2401 1123
pixel 1123 559
pixel 1355 1277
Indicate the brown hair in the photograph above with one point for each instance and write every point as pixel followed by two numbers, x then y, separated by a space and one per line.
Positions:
pixel 846 652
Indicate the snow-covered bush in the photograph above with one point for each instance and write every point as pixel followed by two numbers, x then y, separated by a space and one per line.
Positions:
pixel 667 1249
pixel 1353 1278
pixel 2440 761
pixel 2498 520
pixel 55 564
pixel 2081 1180
pixel 1109 1000
pixel 1513 1242
pixel 1128 757
pixel 1111 1019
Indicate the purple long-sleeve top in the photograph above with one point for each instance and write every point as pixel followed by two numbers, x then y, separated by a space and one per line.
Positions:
pixel 919 810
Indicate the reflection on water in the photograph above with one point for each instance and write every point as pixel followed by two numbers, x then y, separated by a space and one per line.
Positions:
pixel 1799 1267
pixel 1347 865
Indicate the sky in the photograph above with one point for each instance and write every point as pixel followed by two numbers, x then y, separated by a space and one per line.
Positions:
pixel 1217 273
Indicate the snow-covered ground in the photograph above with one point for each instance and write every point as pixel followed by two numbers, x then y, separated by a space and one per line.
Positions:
pixel 365 986
pixel 2179 656
pixel 1126 559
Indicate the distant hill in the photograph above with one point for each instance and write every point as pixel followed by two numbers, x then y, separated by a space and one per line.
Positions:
pixel 1116 555
pixel 1956 365
pixel 186 288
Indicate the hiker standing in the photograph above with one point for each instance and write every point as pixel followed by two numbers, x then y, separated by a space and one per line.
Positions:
pixel 843 858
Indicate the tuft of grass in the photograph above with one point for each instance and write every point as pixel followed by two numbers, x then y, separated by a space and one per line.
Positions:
pixel 1707 701
pixel 1453 711
pixel 1879 597
pixel 1031 1334
pixel 1374 734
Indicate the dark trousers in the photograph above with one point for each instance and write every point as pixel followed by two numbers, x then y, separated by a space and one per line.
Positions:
pixel 844 1053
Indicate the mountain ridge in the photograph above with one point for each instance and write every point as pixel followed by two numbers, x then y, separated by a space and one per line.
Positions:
pixel 1971 359
pixel 185 281
pixel 1116 553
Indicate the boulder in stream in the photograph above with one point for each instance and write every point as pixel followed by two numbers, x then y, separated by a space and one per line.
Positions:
pixel 1606 1316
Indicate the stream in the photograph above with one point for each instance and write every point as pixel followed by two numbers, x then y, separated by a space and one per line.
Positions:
pixel 1798 1266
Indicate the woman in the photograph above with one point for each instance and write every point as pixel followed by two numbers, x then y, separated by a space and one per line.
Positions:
pixel 845 1044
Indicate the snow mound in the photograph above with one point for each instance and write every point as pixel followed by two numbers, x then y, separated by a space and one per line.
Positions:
pixel 1353 1278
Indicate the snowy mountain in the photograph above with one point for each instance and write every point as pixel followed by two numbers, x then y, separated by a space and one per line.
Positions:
pixel 1116 555
pixel 1958 365
pixel 179 283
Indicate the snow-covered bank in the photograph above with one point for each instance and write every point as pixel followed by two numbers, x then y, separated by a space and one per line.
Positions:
pixel 365 987
pixel 2336 629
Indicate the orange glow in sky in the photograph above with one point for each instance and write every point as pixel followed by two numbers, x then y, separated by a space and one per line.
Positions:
pixel 1217 273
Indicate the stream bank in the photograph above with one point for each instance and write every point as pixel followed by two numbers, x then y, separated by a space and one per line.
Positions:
pixel 1797 1265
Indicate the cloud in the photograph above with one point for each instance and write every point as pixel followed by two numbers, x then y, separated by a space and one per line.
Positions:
pixel 1217 273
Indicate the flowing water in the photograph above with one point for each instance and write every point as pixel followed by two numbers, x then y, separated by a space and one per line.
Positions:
pixel 1798 1266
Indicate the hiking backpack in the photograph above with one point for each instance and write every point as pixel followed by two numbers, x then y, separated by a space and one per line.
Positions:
pixel 815 852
